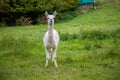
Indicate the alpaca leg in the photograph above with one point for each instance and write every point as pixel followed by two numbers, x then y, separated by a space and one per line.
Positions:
pixel 54 57
pixel 47 57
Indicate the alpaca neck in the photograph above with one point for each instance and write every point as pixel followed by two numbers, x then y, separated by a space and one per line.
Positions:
pixel 50 32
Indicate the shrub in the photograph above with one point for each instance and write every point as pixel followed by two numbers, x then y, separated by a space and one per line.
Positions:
pixel 24 21
pixel 68 15
pixel 113 51
pixel 64 36
pixel 98 43
pixel 67 36
pixel 115 34
pixel 2 24
pixel 38 20
pixel 99 2
pixel 17 8
pixel 95 35
pixel 65 5
pixel 87 46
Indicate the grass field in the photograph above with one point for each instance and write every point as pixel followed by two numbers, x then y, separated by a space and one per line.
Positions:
pixel 89 48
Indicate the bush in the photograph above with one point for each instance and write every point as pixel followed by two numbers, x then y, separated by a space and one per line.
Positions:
pixel 87 46
pixel 95 35
pixel 65 5
pixel 67 36
pixel 68 15
pixel 99 2
pixel 38 20
pixel 113 51
pixel 33 8
pixel 24 21
pixel 98 43
pixel 2 24
pixel 115 34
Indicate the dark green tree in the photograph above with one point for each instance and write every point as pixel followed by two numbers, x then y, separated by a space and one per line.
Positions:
pixel 15 8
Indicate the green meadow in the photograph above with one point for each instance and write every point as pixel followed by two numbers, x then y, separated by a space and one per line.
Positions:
pixel 89 48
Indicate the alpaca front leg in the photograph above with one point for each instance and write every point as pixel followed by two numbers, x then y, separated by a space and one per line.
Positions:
pixel 54 58
pixel 47 57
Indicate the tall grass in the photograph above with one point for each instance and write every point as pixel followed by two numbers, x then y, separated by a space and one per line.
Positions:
pixel 17 44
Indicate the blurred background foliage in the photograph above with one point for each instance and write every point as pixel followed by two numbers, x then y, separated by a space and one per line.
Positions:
pixel 12 10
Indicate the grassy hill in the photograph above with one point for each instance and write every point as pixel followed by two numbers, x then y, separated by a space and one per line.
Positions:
pixel 88 50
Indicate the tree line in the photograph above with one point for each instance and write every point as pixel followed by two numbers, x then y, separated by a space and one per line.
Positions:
pixel 14 11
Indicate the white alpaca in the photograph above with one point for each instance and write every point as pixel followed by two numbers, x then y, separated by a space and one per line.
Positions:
pixel 51 39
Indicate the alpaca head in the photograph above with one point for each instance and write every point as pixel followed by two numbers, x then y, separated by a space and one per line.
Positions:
pixel 50 18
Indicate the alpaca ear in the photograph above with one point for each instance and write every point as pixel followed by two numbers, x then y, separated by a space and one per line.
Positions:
pixel 46 13
pixel 55 13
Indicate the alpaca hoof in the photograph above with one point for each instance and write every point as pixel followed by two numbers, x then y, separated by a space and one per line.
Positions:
pixel 56 66
pixel 46 66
